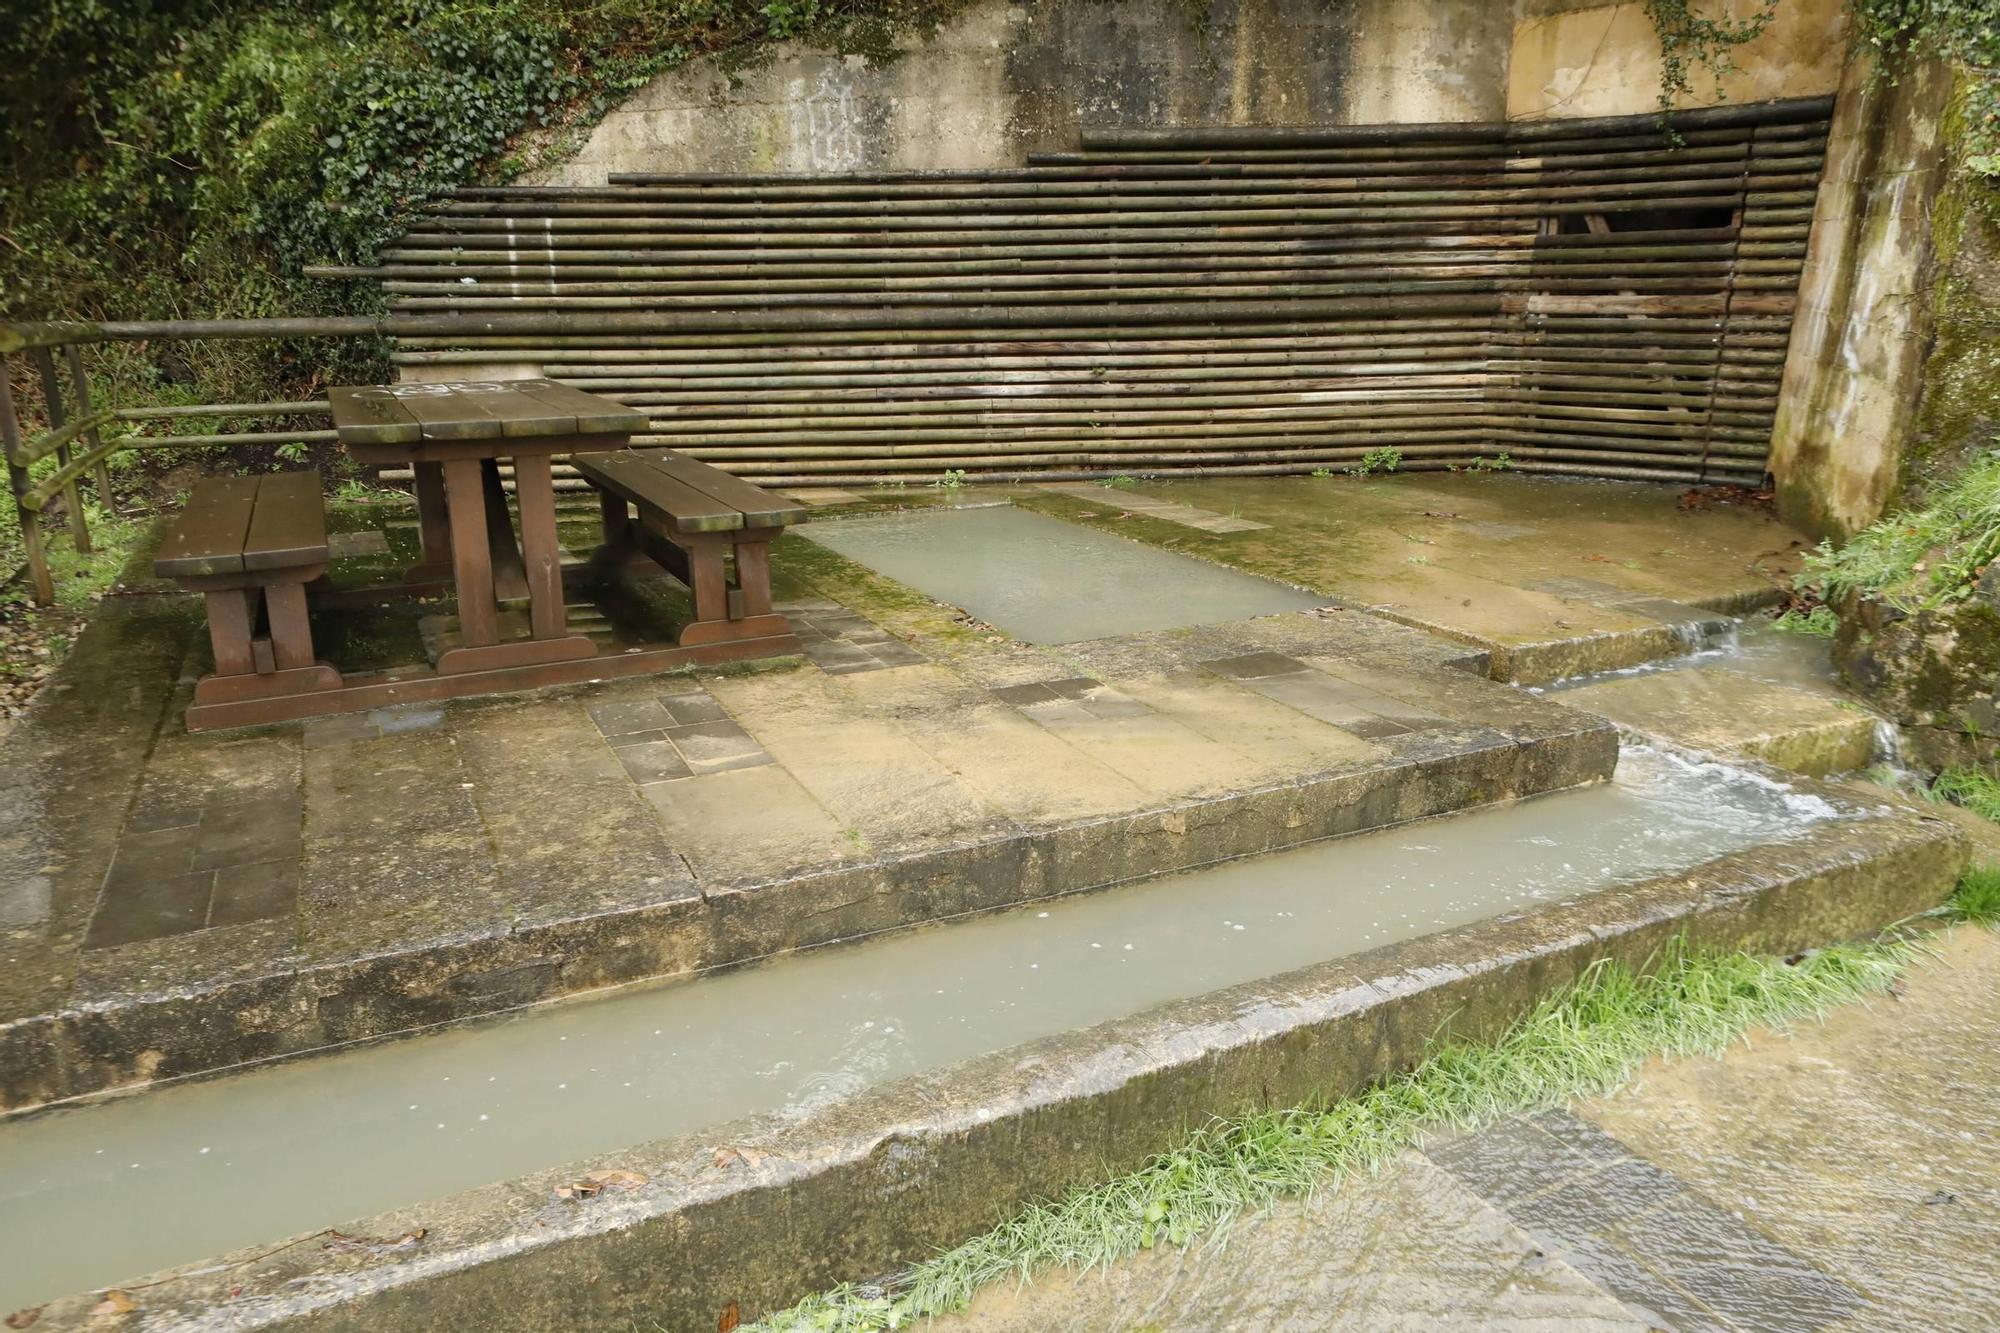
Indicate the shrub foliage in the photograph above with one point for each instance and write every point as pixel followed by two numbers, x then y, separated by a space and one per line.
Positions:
pixel 186 158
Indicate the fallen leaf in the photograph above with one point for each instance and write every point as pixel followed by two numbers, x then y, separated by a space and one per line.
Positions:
pixel 24 1318
pixel 115 1302
pixel 724 1157
pixel 730 1319
pixel 594 1183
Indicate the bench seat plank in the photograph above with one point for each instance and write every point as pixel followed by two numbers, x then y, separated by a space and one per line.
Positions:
pixel 288 528
pixel 760 508
pixel 237 525
pixel 633 476
pixel 208 536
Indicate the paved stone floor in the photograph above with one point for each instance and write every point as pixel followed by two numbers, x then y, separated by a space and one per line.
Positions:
pixel 142 868
pixel 1843 1177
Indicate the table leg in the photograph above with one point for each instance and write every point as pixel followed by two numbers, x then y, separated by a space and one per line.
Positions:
pixel 471 557
pixel 510 580
pixel 534 487
pixel 433 525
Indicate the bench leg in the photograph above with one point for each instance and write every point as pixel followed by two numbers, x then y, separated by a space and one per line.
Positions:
pixel 617 513
pixel 250 668
pixel 291 632
pixel 722 615
pixel 708 579
pixel 232 615
pixel 753 578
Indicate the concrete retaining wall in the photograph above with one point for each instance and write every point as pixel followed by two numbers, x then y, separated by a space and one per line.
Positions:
pixel 1006 78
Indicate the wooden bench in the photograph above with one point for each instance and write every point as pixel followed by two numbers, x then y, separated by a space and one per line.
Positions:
pixel 690 517
pixel 250 545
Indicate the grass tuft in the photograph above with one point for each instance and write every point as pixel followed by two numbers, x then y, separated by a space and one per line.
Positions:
pixel 1924 557
pixel 1974 788
pixel 1820 622
pixel 1584 1040
pixel 1976 899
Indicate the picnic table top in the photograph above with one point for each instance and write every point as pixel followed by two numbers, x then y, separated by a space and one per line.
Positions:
pixel 474 410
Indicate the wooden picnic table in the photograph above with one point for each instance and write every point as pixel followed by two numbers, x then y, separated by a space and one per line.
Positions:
pixel 255 546
pixel 455 435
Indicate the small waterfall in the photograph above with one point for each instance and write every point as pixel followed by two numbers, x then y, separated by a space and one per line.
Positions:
pixel 1889 746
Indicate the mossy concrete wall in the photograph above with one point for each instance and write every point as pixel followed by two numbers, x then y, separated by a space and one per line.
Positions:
pixel 1589 58
pixel 1959 411
pixel 1003 78
pixel 1854 372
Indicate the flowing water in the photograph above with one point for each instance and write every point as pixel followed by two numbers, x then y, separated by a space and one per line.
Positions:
pixel 1043 580
pixel 102 1193
pixel 1749 648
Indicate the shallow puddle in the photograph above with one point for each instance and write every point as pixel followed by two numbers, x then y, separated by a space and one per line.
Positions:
pixel 1043 580
pixel 99 1194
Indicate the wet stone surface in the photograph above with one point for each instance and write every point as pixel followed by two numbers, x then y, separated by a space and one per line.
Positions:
pixel 1837 1178
pixel 360 874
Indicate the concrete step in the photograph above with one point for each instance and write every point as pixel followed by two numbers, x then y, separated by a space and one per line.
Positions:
pixel 1718 711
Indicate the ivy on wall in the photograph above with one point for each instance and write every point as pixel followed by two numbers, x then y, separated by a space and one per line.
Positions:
pixel 1692 43
pixel 1965 32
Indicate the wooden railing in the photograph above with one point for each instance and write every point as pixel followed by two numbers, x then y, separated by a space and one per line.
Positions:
pixel 81 435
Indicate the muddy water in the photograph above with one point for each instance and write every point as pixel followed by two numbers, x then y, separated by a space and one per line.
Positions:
pixel 1047 581
pixel 100 1194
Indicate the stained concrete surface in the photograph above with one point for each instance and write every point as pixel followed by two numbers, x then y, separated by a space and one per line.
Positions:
pixel 1551 578
pixel 1841 1176
pixel 996 80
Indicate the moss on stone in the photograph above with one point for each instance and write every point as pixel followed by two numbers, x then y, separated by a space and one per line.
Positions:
pixel 1960 408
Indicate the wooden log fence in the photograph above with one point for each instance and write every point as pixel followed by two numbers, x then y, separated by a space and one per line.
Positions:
pixel 1608 297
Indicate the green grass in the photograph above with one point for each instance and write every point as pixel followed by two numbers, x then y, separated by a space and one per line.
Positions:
pixel 1977 789
pixel 1977 898
pixel 1821 622
pixel 1584 1040
pixel 80 579
pixel 1922 557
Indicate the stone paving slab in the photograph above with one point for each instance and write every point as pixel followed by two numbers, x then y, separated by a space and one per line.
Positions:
pixel 240 895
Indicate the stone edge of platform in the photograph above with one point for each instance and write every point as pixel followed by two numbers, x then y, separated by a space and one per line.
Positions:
pixel 126 1042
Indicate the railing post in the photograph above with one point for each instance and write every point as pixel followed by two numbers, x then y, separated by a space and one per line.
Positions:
pixel 17 478
pixel 79 525
pixel 73 357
